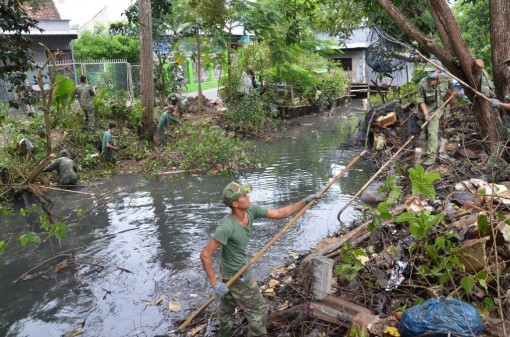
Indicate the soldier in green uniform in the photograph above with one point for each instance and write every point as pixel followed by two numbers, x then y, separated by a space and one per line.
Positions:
pixel 85 95
pixel 177 101
pixel 107 147
pixel 66 169
pixel 164 121
pixel 497 165
pixel 232 235
pixel 430 97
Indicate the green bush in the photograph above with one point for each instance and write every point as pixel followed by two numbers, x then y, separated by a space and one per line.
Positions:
pixel 251 113
pixel 205 146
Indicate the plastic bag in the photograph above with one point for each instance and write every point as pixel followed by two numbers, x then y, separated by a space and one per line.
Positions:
pixel 398 274
pixel 438 318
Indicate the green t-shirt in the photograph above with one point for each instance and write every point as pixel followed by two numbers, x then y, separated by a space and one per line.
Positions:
pixel 234 240
pixel 165 120
pixel 107 138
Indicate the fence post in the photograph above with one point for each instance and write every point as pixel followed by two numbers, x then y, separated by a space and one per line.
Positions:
pixel 130 81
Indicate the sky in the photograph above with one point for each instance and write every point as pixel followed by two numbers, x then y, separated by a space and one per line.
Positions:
pixel 81 11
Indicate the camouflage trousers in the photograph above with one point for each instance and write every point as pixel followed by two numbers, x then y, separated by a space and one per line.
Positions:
pixel 162 138
pixel 90 119
pixel 429 139
pixel 246 295
pixel 497 165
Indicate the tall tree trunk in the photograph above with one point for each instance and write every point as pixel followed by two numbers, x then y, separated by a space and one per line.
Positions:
pixel 199 66
pixel 229 61
pixel 500 44
pixel 455 57
pixel 146 68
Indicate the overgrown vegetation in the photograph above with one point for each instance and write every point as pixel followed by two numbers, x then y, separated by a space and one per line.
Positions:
pixel 435 259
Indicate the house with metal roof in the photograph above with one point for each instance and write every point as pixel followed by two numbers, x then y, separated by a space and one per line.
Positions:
pixel 56 34
pixel 352 56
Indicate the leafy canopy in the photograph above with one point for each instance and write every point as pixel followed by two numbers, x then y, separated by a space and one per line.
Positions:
pixel 99 45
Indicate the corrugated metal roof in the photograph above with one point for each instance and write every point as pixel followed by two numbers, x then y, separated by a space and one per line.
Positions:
pixel 49 33
pixel 357 40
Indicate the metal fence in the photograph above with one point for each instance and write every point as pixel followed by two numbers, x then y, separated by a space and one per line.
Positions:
pixel 117 75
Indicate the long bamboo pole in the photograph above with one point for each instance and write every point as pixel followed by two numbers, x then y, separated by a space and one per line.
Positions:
pixel 452 76
pixel 270 243
pixel 389 161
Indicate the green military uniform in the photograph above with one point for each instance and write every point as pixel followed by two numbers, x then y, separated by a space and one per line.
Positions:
pixel 85 95
pixel 486 85
pixel 108 154
pixel 243 293
pixel 164 122
pixel 432 96
pixel 176 100
pixel 499 158
pixel 66 169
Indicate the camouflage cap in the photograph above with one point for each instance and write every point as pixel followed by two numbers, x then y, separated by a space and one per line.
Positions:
pixel 64 153
pixel 506 61
pixel 429 67
pixel 173 97
pixel 233 191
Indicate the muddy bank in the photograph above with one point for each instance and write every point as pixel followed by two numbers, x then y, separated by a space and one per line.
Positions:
pixel 440 232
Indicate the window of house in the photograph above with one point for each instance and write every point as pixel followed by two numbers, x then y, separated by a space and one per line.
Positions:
pixel 345 62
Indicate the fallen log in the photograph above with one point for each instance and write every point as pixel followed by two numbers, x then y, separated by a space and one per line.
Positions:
pixel 337 310
pixel 35 173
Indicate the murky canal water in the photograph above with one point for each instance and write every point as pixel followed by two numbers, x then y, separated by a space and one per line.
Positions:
pixel 140 238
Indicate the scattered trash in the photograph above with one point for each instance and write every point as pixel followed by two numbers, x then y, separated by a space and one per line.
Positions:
pixel 159 300
pixel 174 306
pixel 75 332
pixel 399 273
pixel 61 266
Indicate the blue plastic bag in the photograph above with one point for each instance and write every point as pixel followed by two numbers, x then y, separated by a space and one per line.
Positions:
pixel 437 318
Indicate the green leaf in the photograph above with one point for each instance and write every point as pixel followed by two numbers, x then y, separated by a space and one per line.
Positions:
pixel 3 246
pixel 405 217
pixel 386 215
pixel 488 303
pixel 59 229
pixel 467 283
pixel 440 242
pixel 29 238
pixel 4 211
pixel 422 182
pixel 431 251
pixel 483 224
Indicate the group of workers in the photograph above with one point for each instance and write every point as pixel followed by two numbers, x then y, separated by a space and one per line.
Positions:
pixel 235 229
pixel 431 96
pixel 84 93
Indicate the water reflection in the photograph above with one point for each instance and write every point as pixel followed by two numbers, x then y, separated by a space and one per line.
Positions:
pixel 140 239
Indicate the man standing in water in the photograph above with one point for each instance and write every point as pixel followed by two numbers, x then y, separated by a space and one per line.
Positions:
pixel 107 146
pixel 66 169
pixel 232 235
